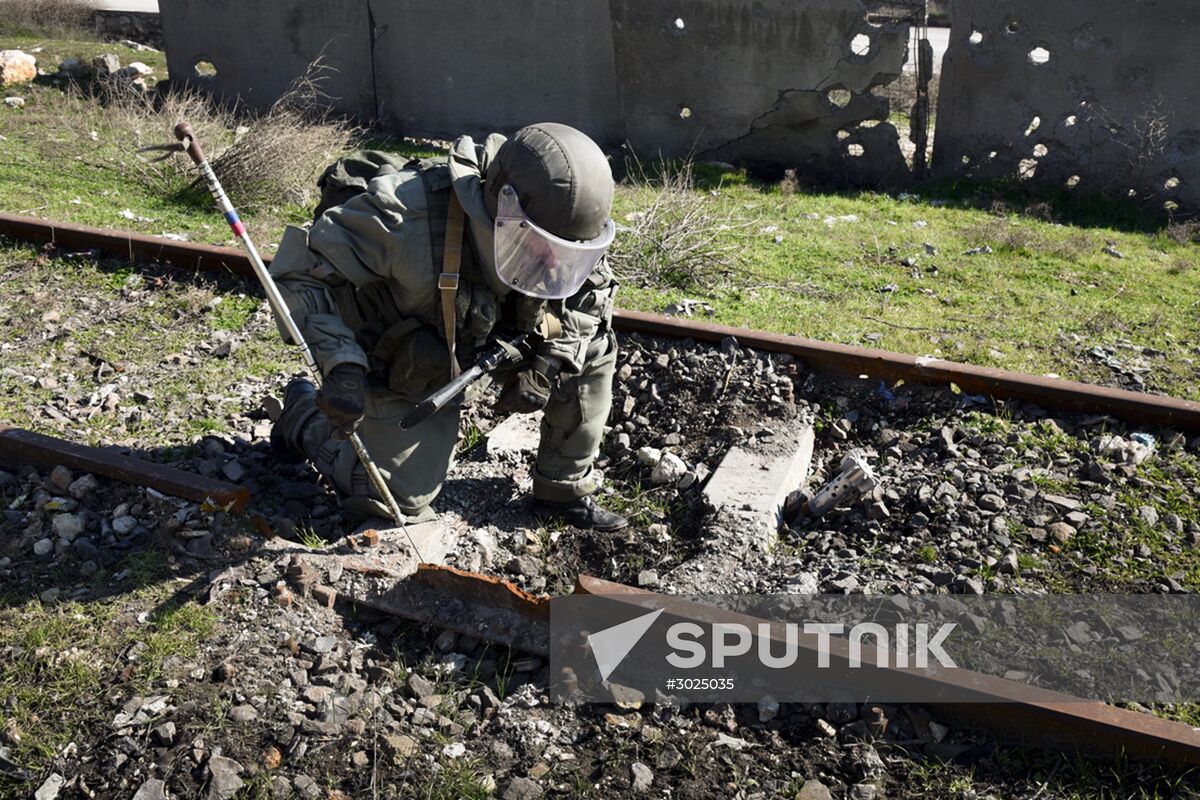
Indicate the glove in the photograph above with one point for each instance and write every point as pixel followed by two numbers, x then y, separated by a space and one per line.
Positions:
pixel 343 398
pixel 531 388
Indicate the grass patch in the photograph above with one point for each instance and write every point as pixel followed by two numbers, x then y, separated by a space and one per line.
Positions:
pixel 54 685
pixel 45 18
pixel 853 268
pixel 74 327
pixel 455 779
pixel 233 311
pixel 642 505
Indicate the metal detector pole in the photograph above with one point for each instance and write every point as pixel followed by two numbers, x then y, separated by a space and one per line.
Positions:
pixel 187 137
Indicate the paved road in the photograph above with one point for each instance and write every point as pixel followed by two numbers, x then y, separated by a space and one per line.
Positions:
pixel 147 6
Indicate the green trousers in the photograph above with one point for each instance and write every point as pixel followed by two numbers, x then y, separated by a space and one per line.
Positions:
pixel 415 462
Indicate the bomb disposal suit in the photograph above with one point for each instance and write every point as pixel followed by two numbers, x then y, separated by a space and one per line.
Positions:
pixel 412 268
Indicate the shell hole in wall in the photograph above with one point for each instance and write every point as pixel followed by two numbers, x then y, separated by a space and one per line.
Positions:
pixel 860 45
pixel 1131 193
pixel 1027 169
pixel 679 24
pixel 976 37
pixel 204 69
pixel 685 113
pixel 1040 151
pixel 843 134
pixel 1073 181
pixel 1039 55
pixel 855 150
pixel 1012 27
pixel 1034 124
pixel 839 97
pixel 966 159
pixel 1172 183
pixel 869 123
pixel 1071 120
pixel 992 156
pixel 1171 206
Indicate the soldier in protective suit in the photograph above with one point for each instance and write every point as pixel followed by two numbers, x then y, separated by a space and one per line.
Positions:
pixel 407 271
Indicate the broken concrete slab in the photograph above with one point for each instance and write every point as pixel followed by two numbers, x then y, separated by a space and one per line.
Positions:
pixel 752 482
pixel 516 437
pixel 747 492
pixel 433 540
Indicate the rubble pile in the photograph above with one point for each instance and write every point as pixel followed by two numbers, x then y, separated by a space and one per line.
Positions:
pixel 296 691
pixel 968 506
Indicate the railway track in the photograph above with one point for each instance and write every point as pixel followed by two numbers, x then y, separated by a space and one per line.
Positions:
pixel 1088 725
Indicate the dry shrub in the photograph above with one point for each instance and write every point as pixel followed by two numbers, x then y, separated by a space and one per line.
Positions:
pixel 264 160
pixel 1184 232
pixel 790 184
pixel 682 239
pixel 45 16
pixel 1005 234
pixel 276 157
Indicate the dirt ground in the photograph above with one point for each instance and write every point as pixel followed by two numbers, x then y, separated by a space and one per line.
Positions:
pixel 152 645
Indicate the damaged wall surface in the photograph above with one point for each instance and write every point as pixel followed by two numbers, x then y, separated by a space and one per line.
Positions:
pixel 775 81
pixel 783 81
pixel 497 65
pixel 1095 96
pixel 259 48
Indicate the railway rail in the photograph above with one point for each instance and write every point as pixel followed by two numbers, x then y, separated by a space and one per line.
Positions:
pixel 1052 394
pixel 452 598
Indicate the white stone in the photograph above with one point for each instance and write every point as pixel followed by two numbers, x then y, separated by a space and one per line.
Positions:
pixel 124 525
pixel 16 66
pixel 649 456
pixel 669 469
pixel 67 526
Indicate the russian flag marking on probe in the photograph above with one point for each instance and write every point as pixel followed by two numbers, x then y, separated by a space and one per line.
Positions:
pixel 232 218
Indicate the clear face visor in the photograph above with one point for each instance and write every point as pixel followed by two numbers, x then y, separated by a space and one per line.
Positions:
pixel 537 263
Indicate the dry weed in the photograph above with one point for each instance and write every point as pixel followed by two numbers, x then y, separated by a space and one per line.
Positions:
pixel 276 157
pixel 264 160
pixel 682 239
pixel 49 17
pixel 1184 232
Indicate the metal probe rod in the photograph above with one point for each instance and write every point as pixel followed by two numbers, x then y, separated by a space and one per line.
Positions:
pixel 187 137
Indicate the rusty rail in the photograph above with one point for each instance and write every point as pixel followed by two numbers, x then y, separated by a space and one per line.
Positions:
pixel 26 447
pixel 1013 710
pixel 837 359
pixel 845 360
pixel 122 244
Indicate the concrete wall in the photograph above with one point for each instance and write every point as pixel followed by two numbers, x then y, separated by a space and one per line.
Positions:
pixel 477 66
pixel 723 79
pixel 143 27
pixel 1115 108
pixel 260 46
pixel 774 80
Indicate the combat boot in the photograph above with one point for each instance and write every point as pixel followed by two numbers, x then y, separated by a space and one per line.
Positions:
pixel 582 512
pixel 287 434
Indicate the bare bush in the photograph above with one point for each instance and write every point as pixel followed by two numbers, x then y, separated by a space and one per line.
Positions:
pixel 264 160
pixel 45 16
pixel 682 239
pixel 278 155
pixel 1184 231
